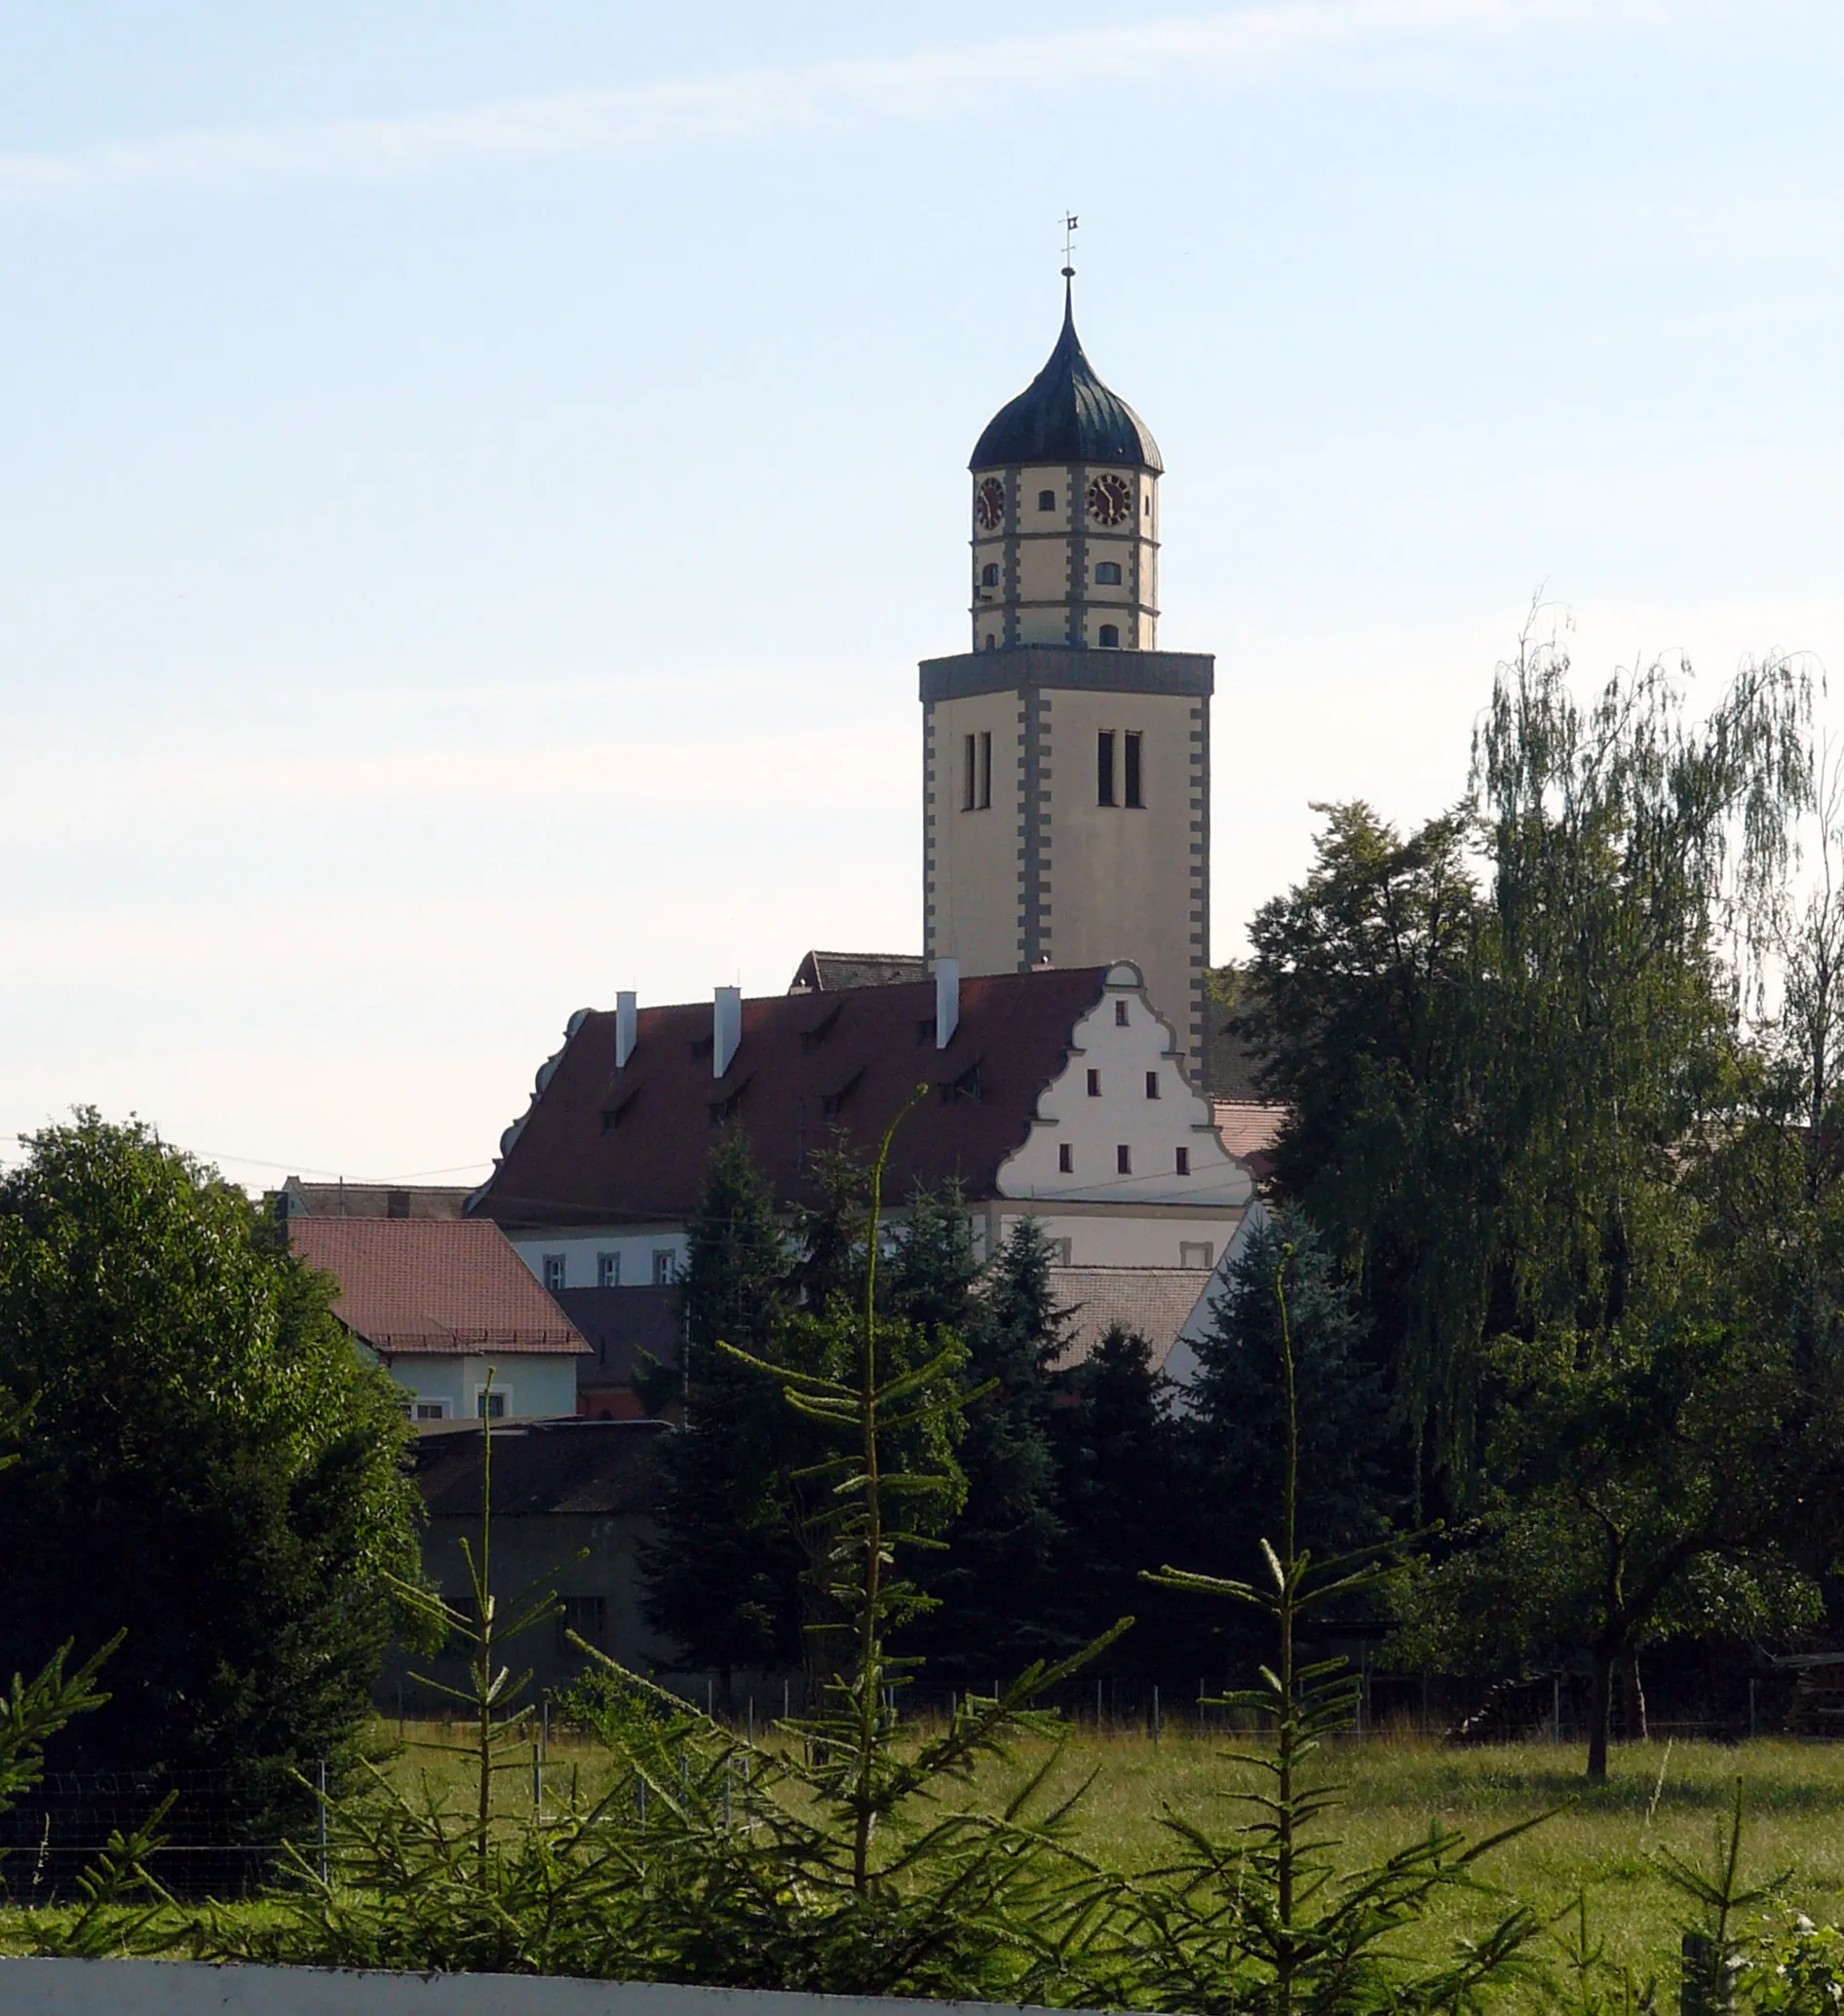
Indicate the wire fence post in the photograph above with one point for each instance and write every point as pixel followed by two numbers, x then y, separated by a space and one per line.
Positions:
pixel 321 1790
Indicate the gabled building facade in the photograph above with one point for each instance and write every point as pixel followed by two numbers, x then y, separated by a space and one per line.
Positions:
pixel 1059 1093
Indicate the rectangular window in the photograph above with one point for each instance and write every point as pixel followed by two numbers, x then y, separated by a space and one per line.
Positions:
pixel 1104 766
pixel 1120 1014
pixel 1123 1159
pixel 1133 798
pixel 1065 1159
pixel 1184 1162
pixel 986 771
pixel 1095 1084
pixel 970 780
pixel 1198 1254
pixel 1108 574
pixel 1152 1085
pixel 608 1270
pixel 664 1267
pixel 1059 1251
pixel 554 1271
pixel 432 1410
pixel 493 1406
pixel 584 1617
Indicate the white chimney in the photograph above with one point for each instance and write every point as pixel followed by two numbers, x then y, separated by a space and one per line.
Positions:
pixel 947 1001
pixel 626 1021
pixel 726 1029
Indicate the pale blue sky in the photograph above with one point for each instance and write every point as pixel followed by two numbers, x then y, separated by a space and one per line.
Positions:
pixel 474 480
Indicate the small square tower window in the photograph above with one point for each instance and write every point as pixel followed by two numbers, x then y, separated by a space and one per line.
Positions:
pixel 554 1271
pixel 991 641
pixel 608 1270
pixel 1095 1084
pixel 989 574
pixel 1065 1159
pixel 1120 1014
pixel 1111 636
pixel 1123 1159
pixel 1152 1085
pixel 1046 500
pixel 1108 575
pixel 1184 1162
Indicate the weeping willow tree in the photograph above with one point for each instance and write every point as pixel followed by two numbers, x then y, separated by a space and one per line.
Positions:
pixel 1502 1037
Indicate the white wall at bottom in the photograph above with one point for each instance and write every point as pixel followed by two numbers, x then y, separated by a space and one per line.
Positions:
pixel 188 1988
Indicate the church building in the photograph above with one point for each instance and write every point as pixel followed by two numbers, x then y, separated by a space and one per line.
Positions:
pixel 1056 1018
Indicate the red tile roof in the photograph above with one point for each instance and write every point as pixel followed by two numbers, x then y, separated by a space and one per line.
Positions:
pixel 1250 1128
pixel 601 1146
pixel 433 1284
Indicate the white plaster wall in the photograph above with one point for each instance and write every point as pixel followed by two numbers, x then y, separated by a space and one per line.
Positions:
pixel 538 1385
pixel 974 897
pixel 580 1250
pixel 1118 1237
pixel 1094 1127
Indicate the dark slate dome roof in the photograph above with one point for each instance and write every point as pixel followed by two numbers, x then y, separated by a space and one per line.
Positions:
pixel 1066 414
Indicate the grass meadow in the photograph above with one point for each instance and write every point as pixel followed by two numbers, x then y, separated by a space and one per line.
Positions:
pixel 1597 1840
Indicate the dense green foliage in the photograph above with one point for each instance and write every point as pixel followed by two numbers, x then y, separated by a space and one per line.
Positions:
pixel 210 1470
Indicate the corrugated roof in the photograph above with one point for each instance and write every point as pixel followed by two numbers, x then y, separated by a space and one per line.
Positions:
pixel 600 1467
pixel 1066 414
pixel 601 1146
pixel 1152 1302
pixel 414 1286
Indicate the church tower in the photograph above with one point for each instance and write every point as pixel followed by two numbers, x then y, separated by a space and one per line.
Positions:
pixel 1066 759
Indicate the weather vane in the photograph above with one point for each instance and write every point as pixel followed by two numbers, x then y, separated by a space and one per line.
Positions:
pixel 1070 221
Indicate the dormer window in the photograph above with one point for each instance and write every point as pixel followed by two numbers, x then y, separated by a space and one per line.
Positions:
pixel 1046 500
pixel 1111 636
pixel 1108 574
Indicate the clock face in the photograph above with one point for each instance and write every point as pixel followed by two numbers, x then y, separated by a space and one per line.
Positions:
pixel 989 502
pixel 1110 500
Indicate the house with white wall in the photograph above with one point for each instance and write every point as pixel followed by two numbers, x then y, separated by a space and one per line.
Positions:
pixel 1055 1094
pixel 447 1309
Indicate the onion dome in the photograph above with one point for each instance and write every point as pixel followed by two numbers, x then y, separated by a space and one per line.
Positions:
pixel 1066 414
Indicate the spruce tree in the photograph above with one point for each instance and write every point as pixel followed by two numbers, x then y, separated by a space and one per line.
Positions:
pixel 1236 1427
pixel 723 1574
pixel 994 1584
pixel 1120 1498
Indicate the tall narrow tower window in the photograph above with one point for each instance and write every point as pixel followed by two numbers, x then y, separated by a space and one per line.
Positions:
pixel 976 773
pixel 1104 766
pixel 1132 780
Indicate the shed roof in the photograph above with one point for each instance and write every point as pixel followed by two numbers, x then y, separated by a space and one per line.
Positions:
pixel 1152 1302
pixel 601 1145
pixel 583 1466
pixel 455 1286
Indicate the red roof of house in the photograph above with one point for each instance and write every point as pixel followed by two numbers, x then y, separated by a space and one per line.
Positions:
pixel 1250 1128
pixel 603 1146
pixel 433 1284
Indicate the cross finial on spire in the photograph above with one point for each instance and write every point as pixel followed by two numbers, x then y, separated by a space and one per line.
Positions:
pixel 1070 221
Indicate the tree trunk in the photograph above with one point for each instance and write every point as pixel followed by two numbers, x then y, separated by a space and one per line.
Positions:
pixel 1600 1712
pixel 1636 1730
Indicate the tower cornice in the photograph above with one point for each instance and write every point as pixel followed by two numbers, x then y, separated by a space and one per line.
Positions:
pixel 1025 665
